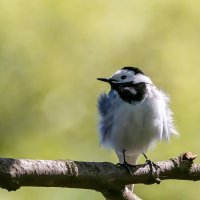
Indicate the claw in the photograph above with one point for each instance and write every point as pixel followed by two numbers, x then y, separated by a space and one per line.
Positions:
pixel 152 164
pixel 154 169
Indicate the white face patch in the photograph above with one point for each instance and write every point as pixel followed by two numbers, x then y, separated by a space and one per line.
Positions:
pixel 138 78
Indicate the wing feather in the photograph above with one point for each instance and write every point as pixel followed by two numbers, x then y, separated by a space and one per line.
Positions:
pixel 105 107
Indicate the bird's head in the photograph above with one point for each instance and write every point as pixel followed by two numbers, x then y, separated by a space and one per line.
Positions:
pixel 126 76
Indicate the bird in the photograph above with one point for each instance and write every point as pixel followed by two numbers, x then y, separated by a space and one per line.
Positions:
pixel 134 115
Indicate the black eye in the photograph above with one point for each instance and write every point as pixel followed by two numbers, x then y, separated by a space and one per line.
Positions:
pixel 123 77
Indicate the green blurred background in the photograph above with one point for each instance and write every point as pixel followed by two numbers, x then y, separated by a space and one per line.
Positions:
pixel 50 55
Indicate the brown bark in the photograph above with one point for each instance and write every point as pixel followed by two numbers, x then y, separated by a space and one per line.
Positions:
pixel 107 178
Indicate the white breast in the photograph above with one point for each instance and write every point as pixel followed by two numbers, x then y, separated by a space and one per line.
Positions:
pixel 136 127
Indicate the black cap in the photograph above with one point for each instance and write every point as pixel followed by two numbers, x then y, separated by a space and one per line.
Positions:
pixel 134 69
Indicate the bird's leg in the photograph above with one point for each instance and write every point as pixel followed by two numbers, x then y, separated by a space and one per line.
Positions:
pixel 154 168
pixel 125 164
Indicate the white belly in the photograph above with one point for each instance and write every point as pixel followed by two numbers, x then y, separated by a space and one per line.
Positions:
pixel 136 127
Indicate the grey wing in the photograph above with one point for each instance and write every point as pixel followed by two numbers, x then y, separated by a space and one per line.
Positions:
pixel 105 107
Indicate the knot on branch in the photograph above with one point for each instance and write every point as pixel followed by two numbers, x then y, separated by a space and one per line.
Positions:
pixel 186 161
pixel 188 156
pixel 9 182
pixel 8 171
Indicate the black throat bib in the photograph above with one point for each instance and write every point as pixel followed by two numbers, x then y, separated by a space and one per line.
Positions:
pixel 131 92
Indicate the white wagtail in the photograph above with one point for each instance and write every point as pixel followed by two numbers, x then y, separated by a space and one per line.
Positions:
pixel 134 115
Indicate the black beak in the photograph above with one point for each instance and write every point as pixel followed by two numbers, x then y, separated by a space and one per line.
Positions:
pixel 108 80
pixel 115 84
pixel 104 79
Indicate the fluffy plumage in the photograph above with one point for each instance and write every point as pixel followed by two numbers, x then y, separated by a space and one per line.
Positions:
pixel 133 125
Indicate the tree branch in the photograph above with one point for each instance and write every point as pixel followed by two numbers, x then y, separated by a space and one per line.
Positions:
pixel 107 178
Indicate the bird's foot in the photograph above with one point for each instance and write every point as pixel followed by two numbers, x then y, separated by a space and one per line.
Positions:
pixel 154 168
pixel 153 165
pixel 128 167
